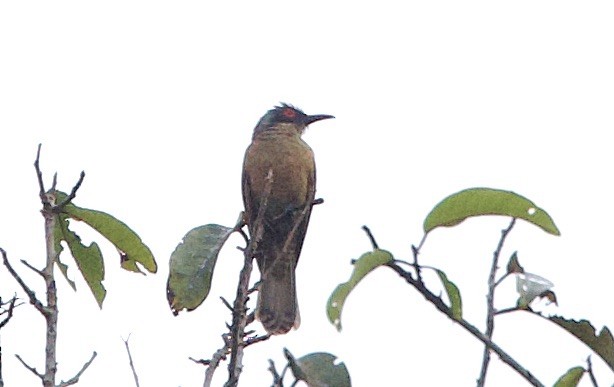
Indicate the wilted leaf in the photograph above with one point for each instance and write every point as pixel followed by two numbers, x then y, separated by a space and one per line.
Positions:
pixel 549 295
pixel 124 239
pixel 603 344
pixel 192 264
pixel 456 303
pixel 89 260
pixel 486 201
pixel 513 265
pixel 319 369
pixel 530 286
pixel 363 266
pixel 571 378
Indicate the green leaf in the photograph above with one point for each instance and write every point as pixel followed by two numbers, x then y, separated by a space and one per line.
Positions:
pixel 319 369
pixel 486 201
pixel 602 344
pixel 89 260
pixel 192 264
pixel 571 378
pixel 132 249
pixel 456 303
pixel 363 266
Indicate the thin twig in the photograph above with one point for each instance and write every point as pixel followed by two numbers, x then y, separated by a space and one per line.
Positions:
pixel 73 191
pixel 490 302
pixel 217 357
pixel 442 307
pixel 31 295
pixel 75 378
pixel 371 237
pixel 591 374
pixel 32 268
pixel 134 374
pixel 9 313
pixel 39 174
pixel 277 380
pixel 32 369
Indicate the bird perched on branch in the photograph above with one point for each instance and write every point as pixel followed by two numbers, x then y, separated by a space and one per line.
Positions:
pixel 279 184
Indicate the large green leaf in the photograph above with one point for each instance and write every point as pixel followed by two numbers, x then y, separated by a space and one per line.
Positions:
pixel 602 344
pixel 571 378
pixel 192 264
pixel 132 249
pixel 89 260
pixel 363 266
pixel 486 201
pixel 456 303
pixel 319 369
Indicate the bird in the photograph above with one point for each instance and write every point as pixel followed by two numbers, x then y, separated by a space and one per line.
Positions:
pixel 278 186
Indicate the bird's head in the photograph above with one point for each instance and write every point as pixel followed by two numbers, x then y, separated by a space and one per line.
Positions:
pixel 287 114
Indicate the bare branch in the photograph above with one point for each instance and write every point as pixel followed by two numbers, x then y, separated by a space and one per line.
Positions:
pixel 31 295
pixel 277 379
pixel 8 311
pixel 490 301
pixel 32 268
pixel 39 174
pixel 371 237
pixel 73 192
pixel 136 377
pixel 590 371
pixel 75 378
pixel 212 364
pixel 32 369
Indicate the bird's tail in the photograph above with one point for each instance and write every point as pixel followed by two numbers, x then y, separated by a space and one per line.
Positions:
pixel 277 307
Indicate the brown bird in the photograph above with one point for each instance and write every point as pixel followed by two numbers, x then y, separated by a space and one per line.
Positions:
pixel 279 185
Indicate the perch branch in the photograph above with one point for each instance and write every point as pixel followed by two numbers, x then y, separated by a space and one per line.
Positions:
pixel 239 316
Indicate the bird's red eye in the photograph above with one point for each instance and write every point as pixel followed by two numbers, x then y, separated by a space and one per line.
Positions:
pixel 290 113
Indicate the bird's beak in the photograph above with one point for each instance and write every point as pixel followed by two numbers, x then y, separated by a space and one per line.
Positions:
pixel 317 117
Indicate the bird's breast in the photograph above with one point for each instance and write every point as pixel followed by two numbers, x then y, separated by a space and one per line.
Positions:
pixel 293 170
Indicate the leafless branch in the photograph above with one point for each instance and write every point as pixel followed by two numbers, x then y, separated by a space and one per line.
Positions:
pixel 75 378
pixel 73 192
pixel 29 292
pixel 278 381
pixel 490 302
pixel 32 369
pixel 136 377
pixel 8 311
pixel 591 374
pixel 371 237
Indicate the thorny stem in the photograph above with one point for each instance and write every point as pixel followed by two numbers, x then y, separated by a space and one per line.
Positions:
pixel 239 315
pixel 490 302
pixel 234 340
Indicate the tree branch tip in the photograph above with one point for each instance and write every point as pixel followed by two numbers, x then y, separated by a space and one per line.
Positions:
pixel 371 237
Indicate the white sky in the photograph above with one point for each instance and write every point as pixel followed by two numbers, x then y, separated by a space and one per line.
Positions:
pixel 157 101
